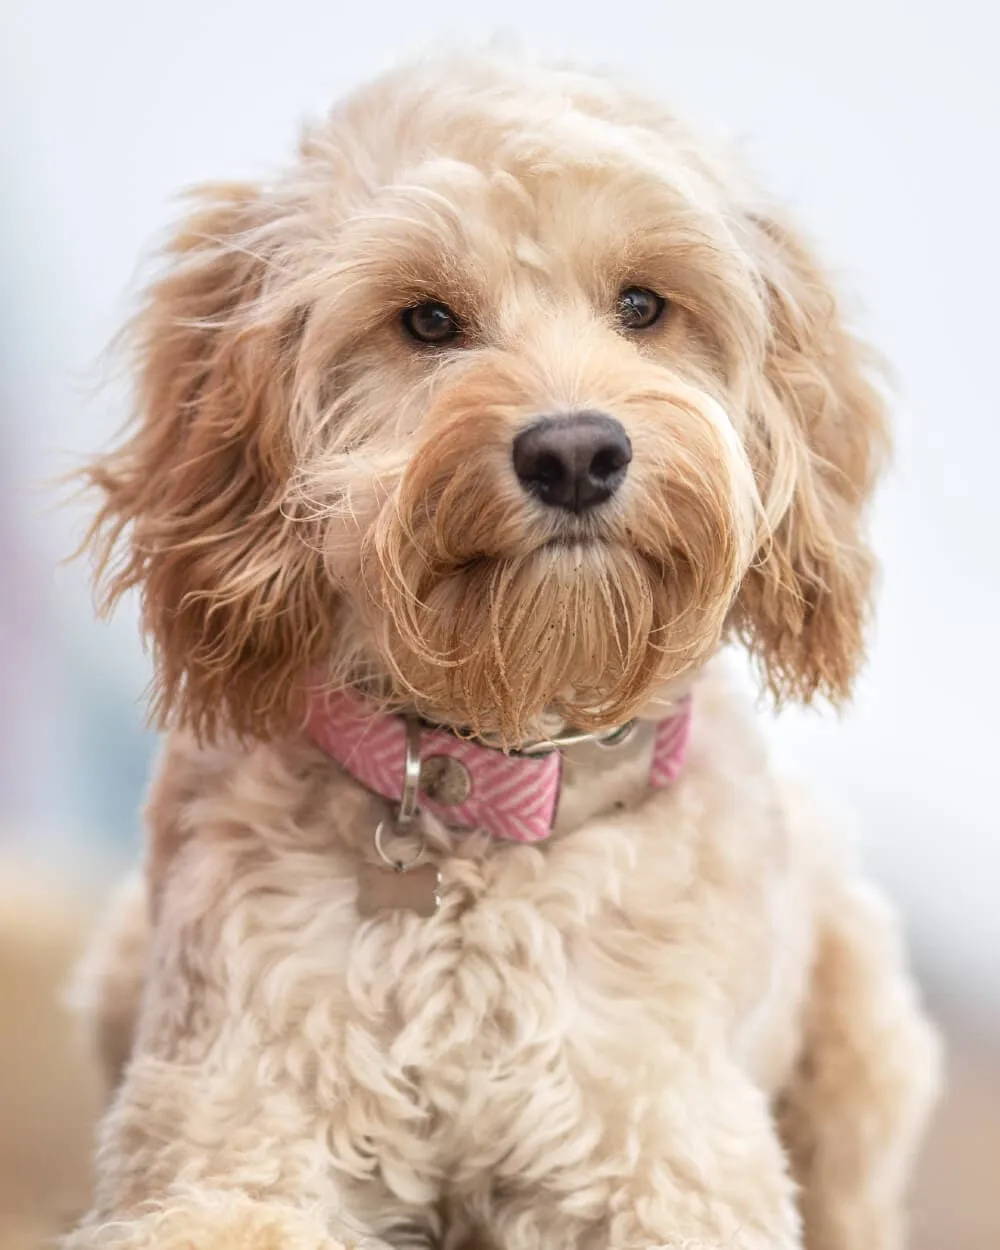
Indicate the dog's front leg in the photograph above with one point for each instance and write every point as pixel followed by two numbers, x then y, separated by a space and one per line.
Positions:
pixel 696 1166
pixel 712 1173
pixel 205 1219
pixel 212 1156
pixel 854 1111
pixel 219 1136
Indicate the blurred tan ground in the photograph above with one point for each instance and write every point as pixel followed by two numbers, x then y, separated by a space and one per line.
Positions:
pixel 48 1092
pixel 48 1096
pixel 957 1195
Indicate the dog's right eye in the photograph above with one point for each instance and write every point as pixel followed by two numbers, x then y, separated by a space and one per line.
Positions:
pixel 431 322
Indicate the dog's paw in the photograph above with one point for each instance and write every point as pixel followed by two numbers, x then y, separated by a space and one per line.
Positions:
pixel 221 1221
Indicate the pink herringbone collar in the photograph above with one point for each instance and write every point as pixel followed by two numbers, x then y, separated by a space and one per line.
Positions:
pixel 510 796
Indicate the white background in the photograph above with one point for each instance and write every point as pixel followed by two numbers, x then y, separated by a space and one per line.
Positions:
pixel 877 120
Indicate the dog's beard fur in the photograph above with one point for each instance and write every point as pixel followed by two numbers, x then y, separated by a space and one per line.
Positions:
pixel 489 611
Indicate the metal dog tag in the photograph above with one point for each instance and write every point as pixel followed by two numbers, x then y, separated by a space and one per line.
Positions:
pixel 416 889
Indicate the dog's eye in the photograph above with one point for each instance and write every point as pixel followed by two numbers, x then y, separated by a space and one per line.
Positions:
pixel 431 322
pixel 639 307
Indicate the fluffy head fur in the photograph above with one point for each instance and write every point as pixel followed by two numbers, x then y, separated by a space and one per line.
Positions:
pixel 307 492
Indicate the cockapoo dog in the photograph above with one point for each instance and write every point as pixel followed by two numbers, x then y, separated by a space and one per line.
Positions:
pixel 473 913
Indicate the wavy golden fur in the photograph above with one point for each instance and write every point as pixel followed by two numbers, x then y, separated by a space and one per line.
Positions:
pixel 681 1021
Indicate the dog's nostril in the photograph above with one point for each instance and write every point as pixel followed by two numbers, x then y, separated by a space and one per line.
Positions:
pixel 609 461
pixel 575 461
pixel 549 469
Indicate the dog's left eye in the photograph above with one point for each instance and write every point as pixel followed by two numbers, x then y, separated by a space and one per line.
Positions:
pixel 638 307
pixel 431 322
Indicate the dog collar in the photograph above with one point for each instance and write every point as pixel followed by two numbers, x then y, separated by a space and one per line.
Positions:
pixel 465 783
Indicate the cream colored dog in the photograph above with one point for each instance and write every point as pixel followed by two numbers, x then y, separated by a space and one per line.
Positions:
pixel 506 406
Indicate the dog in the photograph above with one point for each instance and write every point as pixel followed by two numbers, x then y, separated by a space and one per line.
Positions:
pixel 474 912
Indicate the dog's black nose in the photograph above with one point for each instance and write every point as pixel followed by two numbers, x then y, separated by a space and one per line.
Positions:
pixel 575 461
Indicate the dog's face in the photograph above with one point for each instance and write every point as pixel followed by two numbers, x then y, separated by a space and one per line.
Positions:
pixel 507 399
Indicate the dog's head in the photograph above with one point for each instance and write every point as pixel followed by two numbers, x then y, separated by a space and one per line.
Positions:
pixel 509 397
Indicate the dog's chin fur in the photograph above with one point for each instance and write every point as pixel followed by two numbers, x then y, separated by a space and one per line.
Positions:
pixel 488 646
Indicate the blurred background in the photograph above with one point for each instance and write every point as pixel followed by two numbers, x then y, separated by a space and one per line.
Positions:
pixel 879 123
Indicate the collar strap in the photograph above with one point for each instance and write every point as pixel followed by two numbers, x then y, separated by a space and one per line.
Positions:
pixel 465 783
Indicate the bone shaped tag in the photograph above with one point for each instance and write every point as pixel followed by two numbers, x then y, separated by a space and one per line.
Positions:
pixel 414 889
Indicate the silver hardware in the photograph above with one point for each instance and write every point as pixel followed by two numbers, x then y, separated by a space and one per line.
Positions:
pixel 445 779
pixel 409 808
pixel 408 804
pixel 618 737
pixel 397 865
pixel 381 890
pixel 608 739
pixel 403 884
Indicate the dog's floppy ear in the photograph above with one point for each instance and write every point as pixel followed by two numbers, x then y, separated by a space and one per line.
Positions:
pixel 232 594
pixel 818 442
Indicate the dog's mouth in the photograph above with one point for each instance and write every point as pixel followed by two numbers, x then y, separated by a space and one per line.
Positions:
pixel 594 531
pixel 564 545
pixel 567 542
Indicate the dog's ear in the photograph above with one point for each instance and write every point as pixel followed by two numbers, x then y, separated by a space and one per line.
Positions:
pixel 232 592
pixel 818 442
